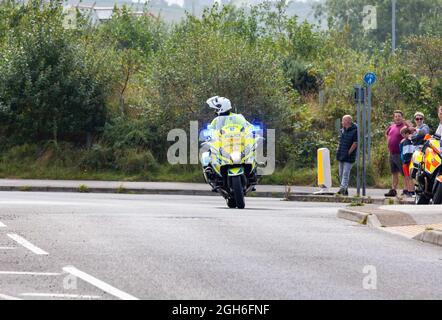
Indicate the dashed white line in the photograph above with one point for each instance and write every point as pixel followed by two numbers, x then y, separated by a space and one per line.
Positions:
pixel 60 295
pixel 6 297
pixel 25 243
pixel 2 225
pixel 24 273
pixel 8 248
pixel 52 203
pixel 99 284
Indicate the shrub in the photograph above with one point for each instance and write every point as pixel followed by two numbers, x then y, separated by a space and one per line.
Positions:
pixel 23 152
pixel 83 188
pixel 97 157
pixel 303 78
pixel 134 161
pixel 48 88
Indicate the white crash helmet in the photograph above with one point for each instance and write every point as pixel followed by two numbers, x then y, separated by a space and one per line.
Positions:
pixel 221 104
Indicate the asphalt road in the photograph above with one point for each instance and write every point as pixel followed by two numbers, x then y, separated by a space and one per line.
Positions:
pixel 117 246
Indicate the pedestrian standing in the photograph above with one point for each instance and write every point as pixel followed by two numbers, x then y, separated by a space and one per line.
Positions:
pixel 394 138
pixel 346 155
pixel 422 129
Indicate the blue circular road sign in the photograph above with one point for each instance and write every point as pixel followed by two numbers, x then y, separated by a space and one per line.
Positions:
pixel 370 79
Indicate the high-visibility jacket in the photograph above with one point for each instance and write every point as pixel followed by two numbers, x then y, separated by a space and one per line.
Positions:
pixel 230 119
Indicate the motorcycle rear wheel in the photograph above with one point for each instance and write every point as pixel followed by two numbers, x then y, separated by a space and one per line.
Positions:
pixel 437 198
pixel 421 199
pixel 238 192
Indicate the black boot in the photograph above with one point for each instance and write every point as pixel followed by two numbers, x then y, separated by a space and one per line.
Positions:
pixel 391 193
pixel 343 191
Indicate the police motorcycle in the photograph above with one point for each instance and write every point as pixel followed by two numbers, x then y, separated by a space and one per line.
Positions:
pixel 426 169
pixel 229 164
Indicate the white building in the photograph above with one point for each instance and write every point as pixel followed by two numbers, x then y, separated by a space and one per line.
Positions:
pixel 95 13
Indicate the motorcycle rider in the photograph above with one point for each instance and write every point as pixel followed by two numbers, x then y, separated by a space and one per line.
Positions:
pixel 225 117
pixel 224 113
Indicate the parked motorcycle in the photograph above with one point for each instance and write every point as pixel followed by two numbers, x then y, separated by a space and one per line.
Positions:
pixel 230 165
pixel 426 169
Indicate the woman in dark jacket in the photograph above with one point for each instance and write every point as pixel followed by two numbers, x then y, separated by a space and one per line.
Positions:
pixel 346 155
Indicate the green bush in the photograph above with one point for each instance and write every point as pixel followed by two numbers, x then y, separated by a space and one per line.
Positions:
pixel 24 152
pixel 306 145
pixel 143 132
pixel 48 88
pixel 83 188
pixel 98 157
pixel 199 61
pixel 302 77
pixel 134 161
pixel 118 88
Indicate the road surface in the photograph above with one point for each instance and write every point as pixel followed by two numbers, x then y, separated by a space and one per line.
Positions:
pixel 120 246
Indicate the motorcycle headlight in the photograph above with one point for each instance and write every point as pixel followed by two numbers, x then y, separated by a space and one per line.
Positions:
pixel 236 157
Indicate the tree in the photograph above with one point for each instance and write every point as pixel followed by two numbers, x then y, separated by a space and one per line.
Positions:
pixel 47 90
pixel 202 59
pixel 413 17
pixel 132 40
pixel 426 56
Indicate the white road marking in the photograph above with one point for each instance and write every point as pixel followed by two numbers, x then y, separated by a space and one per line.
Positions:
pixel 52 203
pixel 2 225
pixel 60 295
pixel 8 248
pixel 25 243
pixel 24 273
pixel 99 284
pixel 6 297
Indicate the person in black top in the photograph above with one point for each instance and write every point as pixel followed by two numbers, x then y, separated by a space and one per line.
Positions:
pixel 346 155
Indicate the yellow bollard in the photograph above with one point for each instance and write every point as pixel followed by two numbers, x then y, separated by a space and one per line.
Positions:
pixel 324 171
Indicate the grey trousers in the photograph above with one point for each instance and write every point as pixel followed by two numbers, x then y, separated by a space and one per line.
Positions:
pixel 344 173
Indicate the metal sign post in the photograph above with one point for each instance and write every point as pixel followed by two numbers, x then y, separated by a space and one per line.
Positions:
pixel 358 99
pixel 363 141
pixel 393 26
pixel 364 129
pixel 370 80
pixel 369 122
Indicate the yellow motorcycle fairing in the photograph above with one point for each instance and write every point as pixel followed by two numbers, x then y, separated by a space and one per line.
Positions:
pixel 232 139
pixel 432 161
pixel 435 145
pixel 417 158
pixel 235 171
pixel 411 166
pixel 415 163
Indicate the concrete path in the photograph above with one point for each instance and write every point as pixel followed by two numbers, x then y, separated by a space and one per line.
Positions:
pixel 423 223
pixel 157 187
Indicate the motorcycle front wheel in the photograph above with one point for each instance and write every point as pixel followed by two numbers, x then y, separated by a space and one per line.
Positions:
pixel 238 192
pixel 231 203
